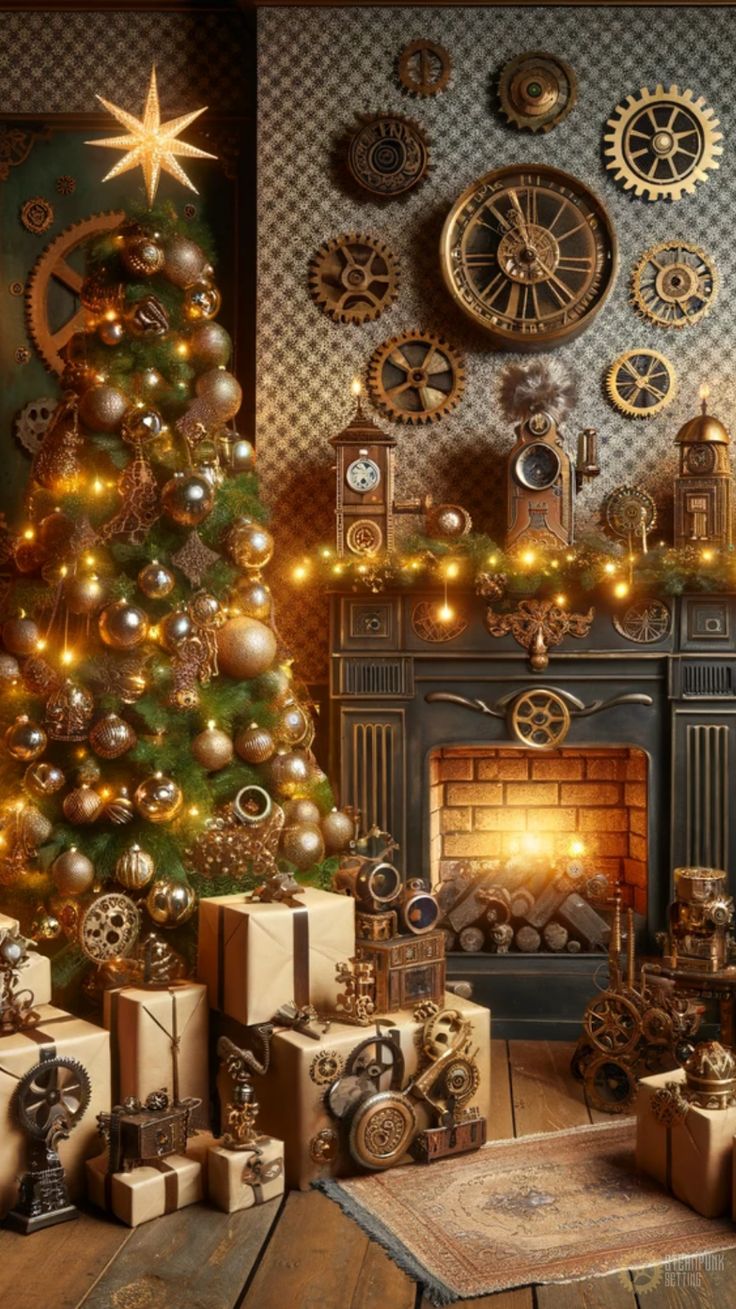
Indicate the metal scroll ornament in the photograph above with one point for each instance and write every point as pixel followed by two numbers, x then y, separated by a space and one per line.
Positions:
pixel 538 624
pixel 674 284
pixel 428 627
pixel 662 143
pixel 16 1003
pixel 537 91
pixel 354 278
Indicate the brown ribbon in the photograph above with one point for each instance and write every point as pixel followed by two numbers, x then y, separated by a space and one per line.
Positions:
pixel 221 957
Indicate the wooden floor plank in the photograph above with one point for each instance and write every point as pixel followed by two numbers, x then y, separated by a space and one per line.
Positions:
pixel 57 1266
pixel 197 1257
pixel 501 1125
pixel 519 1299
pixel 613 1292
pixel 545 1096
pixel 704 1282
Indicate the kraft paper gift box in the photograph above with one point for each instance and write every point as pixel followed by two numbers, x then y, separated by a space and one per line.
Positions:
pixel 159 1038
pixel 239 1179
pixel 691 1156
pixel 256 957
pixel 291 1094
pixel 35 975
pixel 58 1033
pixel 145 1192
pixel 8 924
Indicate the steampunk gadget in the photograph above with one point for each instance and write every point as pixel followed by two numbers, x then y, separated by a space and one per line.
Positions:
pixel 16 1002
pixel 50 1099
pixel 139 1132
pixel 699 921
pixel 704 508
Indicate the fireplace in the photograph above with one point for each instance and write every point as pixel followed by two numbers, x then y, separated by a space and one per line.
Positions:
pixel 514 749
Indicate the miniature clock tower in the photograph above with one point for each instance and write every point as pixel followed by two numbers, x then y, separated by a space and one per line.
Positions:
pixel 364 509
pixel 704 483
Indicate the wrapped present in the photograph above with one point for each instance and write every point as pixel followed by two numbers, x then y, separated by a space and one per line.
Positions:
pixel 35 975
pixel 8 924
pixel 239 1179
pixel 58 1034
pixel 293 1093
pixel 159 1038
pixel 146 1192
pixel 686 1147
pixel 255 957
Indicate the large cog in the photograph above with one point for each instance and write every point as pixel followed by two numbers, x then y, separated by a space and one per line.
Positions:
pixel 354 278
pixel 674 284
pixel 416 377
pixel 662 143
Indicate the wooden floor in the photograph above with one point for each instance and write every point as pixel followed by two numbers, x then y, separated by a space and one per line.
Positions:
pixel 303 1253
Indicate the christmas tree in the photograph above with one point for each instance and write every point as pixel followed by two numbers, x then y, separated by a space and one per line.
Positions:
pixel 156 742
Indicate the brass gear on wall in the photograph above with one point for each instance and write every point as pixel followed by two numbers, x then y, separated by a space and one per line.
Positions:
pixel 662 143
pixel 539 719
pixel 416 377
pixel 674 284
pixel 387 155
pixel 628 511
pixel 354 278
pixel 537 91
pixel 424 68
pixel 641 383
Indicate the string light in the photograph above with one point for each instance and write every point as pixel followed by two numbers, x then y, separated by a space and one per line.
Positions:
pixel 528 557
pixel 620 590
pixel 708 556
pixel 67 657
pixel 577 848
pixel 445 613
pixel 609 567
pixel 560 600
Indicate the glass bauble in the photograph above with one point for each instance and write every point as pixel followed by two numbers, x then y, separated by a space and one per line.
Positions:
pixel 111 331
pixel 236 453
pixel 45 927
pixel 184 261
pixel 249 544
pixel 202 302
pixel 205 610
pixel 171 903
pixel 251 597
pixel 156 581
pixel 213 749
pixel 209 345
pixel 69 711
pixel 25 740
pixel 187 499
pixel 102 408
pixel 303 845
pixel 134 869
pixel 222 392
pixel 84 594
pixel 255 744
pixel 291 771
pixel 158 799
pixel 112 737
pixel 175 628
pixel 142 424
pixel 82 805
pixel 20 635
pixel 119 807
pixel 293 725
pixel 245 647
pixel 42 779
pixel 72 872
pixel 338 829
pixel 123 625
pixel 301 811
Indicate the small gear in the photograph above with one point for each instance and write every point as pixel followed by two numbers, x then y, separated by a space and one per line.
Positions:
pixel 37 215
pixel 629 511
pixel 662 143
pixel 674 284
pixel 539 718
pixel 640 383
pixel 424 68
pixel 66 185
pixel 462 1079
pixel 32 421
pixel 326 1067
pixel 537 91
pixel 109 928
pixel 416 377
pixel 610 1085
pixel 387 155
pixel 657 1026
pixel 354 278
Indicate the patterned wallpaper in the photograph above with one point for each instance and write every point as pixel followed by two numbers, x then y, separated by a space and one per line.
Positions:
pixel 317 68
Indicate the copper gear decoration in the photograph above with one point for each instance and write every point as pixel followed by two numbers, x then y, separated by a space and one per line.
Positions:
pixel 424 68
pixel 354 278
pixel 56 1089
pixel 416 377
pixel 110 927
pixel 540 719
pixel 628 511
pixel 674 284
pixel 612 1023
pixel 537 91
pixel 644 622
pixel 662 143
pixel 53 267
pixel 610 1085
pixel 641 383
pixel 387 155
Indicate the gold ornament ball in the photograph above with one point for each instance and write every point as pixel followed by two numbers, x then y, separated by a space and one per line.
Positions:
pixel 119 808
pixel 174 628
pixel 252 597
pixel 85 594
pixel 55 530
pixel 303 845
pixel 134 869
pixel 205 609
pixel 142 424
pixel 82 805
pixel 42 779
pixel 241 456
pixel 142 256
pixel 112 737
pixel 187 499
pixel 9 669
pixel 158 799
pixel 201 303
pixel 69 711
pixel 250 544
pixel 255 744
pixel 184 698
pixel 25 740
pixel 102 408
pixel 123 625
pixel 46 927
pixel 293 725
pixel 156 581
pixel 209 345
pixel 184 262
pixel 291 771
pixel 72 872
pixel 29 826
pixel 111 331
pixel 245 647
pixel 20 635
pixel 338 829
pixel 221 391
pixel 213 749
pixel 171 903
pixel 301 811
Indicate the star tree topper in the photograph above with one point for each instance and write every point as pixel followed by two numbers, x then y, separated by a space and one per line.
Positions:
pixel 151 145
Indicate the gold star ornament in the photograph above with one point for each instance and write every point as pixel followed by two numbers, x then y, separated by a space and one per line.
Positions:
pixel 151 145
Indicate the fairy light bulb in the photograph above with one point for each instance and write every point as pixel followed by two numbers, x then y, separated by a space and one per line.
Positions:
pixel 300 572
pixel 577 848
pixel 609 567
pixel 708 556
pixel 621 589
pixel 445 613
pixel 67 657
pixel 356 387
pixel 452 569
pixel 528 557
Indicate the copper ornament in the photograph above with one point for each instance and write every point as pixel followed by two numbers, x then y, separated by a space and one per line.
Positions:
pixel 135 868
pixel 303 845
pixel 24 739
pixel 20 635
pixel 83 805
pixel 112 737
pixel 72 872
pixel 245 647
pixel 69 711
pixel 170 903
pixel 255 744
pixel 102 407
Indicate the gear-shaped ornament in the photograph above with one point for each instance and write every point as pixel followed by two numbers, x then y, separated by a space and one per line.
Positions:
pixel 387 155
pixel 416 377
pixel 424 68
pixel 674 284
pixel 354 278
pixel 662 143
pixel 57 1088
pixel 537 91
pixel 641 383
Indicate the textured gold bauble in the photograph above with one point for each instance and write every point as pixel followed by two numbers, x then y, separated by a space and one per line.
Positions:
pixel 187 499
pixel 20 635
pixel 278 685
pixel 252 597
pixel 174 628
pixel 236 453
pixel 134 869
pixel 209 346
pixel 202 302
pixel 72 872
pixel 291 771
pixel 303 845
pixel 27 826
pixel 123 626
pixel 119 808
pixel 9 669
pixel 42 779
pixel 249 544
pixel 255 744
pixel 338 829
pixel 82 805
pixel 184 697
pixel 25 740
pixel 301 811
pixel 102 408
pixel 171 903
pixel 84 595
pixel 221 391
pixel 142 256
pixel 46 927
pixel 156 581
pixel 184 261
pixel 112 737
pixel 213 749
pixel 158 799
pixel 293 725
pixel 245 647
pixel 69 711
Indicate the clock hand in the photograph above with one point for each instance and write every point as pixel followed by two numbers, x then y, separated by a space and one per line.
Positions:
pixel 522 220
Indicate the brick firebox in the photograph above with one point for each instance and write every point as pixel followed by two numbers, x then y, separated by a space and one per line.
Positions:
pixel 494 803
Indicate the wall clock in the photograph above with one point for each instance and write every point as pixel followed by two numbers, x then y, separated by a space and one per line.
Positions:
pixel 530 254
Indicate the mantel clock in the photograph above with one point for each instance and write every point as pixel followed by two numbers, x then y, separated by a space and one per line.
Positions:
pixel 365 507
pixel 542 481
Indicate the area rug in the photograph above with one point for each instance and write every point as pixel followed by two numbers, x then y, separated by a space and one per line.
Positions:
pixel 549 1208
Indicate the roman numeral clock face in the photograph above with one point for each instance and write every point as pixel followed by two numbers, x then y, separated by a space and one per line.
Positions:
pixel 530 254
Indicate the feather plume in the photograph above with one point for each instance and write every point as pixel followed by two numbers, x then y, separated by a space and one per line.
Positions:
pixel 541 384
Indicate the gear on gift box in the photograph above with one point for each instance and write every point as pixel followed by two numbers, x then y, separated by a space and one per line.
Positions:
pixel 417 377
pixel 662 143
pixel 354 278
